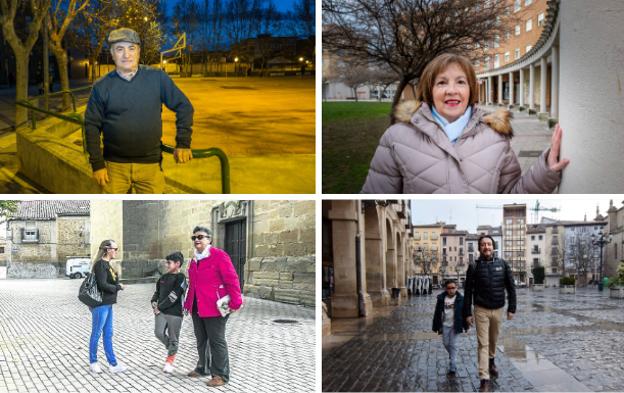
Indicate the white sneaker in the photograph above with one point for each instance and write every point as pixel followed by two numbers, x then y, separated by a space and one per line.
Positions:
pixel 95 368
pixel 168 368
pixel 119 368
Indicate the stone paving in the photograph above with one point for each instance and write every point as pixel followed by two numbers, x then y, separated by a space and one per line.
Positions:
pixel 555 342
pixel 44 334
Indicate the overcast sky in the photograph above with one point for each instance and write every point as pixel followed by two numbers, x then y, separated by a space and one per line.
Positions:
pixel 467 216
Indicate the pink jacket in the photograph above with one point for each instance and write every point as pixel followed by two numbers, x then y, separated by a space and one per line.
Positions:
pixel 215 273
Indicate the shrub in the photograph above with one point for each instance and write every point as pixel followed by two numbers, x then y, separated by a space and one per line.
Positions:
pixel 538 274
pixel 567 281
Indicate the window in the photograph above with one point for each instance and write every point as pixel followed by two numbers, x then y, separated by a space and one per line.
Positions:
pixel 517 53
pixel 506 57
pixel 539 237
pixel 508 221
pixel 507 35
pixel 487 62
pixel 528 48
pixel 532 237
pixel 416 235
pixel 425 236
pixel 496 61
pixel 517 30
pixel 444 241
pixel 444 251
pixel 614 250
pixel 30 235
pixel 540 19
pixel 434 236
pixel 496 41
pixel 517 5
pixel 529 25
pixel 461 241
pixel 2 250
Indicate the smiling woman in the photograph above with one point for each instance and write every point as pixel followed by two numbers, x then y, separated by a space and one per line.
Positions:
pixel 445 143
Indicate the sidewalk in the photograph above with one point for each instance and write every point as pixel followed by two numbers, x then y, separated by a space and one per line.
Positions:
pixel 531 136
pixel 44 335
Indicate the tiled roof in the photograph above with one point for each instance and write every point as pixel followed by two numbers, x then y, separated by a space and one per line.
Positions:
pixel 49 210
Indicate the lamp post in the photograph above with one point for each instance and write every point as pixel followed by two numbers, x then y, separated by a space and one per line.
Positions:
pixel 600 240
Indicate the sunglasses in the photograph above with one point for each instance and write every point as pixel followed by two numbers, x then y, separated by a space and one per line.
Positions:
pixel 200 237
pixel 114 249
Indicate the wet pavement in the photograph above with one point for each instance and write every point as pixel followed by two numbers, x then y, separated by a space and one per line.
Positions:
pixel 555 342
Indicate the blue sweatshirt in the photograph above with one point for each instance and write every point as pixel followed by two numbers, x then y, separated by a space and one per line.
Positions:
pixel 128 113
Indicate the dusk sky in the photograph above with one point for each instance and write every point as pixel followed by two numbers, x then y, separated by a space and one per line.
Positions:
pixel 467 216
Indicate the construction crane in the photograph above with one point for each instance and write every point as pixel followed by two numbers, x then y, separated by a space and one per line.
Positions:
pixel 535 209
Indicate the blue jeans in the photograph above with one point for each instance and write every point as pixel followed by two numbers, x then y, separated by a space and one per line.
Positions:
pixel 448 338
pixel 102 321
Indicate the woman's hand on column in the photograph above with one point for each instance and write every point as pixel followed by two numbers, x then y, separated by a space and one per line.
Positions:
pixel 554 163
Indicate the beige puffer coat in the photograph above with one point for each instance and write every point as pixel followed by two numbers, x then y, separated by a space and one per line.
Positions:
pixel 415 156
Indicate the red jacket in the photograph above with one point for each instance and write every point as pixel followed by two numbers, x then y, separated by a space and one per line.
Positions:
pixel 215 273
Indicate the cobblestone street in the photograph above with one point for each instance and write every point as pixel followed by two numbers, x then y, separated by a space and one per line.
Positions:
pixel 556 342
pixel 44 334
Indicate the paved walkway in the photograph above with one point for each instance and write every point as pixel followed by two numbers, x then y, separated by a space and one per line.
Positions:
pixel 44 333
pixel 555 343
pixel 531 136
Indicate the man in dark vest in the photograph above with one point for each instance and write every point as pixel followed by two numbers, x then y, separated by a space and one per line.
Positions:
pixel 486 282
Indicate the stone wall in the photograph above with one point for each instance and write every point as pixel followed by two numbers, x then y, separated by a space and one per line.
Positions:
pixel 106 223
pixel 282 266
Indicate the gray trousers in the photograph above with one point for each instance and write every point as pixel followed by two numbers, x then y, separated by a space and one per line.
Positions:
pixel 167 330
pixel 211 346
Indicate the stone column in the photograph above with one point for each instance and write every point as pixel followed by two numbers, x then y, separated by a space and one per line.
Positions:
pixel 591 83
pixel 344 216
pixel 500 89
pixel 401 267
pixel 375 267
pixel 532 86
pixel 489 90
pixel 543 115
pixel 511 89
pixel 554 82
pixel 521 89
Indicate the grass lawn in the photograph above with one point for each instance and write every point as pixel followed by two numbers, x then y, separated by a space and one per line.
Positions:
pixel 351 132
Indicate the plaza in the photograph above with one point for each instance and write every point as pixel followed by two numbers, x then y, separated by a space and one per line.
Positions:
pixel 44 335
pixel 556 342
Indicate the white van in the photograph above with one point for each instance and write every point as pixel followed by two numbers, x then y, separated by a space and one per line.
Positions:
pixel 77 267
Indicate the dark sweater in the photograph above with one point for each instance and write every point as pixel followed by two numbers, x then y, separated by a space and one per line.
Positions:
pixel 128 113
pixel 107 281
pixel 169 291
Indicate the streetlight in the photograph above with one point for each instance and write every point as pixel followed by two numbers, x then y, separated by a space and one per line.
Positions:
pixel 601 241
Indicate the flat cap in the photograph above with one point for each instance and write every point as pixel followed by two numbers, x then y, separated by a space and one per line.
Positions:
pixel 124 34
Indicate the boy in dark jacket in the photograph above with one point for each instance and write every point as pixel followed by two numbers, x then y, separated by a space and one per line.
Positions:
pixel 167 306
pixel 448 321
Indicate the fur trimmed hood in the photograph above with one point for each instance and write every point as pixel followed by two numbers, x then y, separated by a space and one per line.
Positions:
pixel 499 120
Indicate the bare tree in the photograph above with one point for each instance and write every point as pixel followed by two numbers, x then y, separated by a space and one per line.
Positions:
pixel 405 35
pixel 382 78
pixel 581 255
pixel 354 75
pixel 61 16
pixel 22 47
pixel 301 19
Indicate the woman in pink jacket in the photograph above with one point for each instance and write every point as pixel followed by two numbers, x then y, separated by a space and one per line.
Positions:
pixel 211 276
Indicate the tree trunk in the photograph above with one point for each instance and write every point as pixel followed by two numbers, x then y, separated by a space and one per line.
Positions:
pixel 61 60
pixel 21 85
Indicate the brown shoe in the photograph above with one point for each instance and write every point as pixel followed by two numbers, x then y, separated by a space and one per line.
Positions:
pixel 196 374
pixel 486 386
pixel 493 369
pixel 216 381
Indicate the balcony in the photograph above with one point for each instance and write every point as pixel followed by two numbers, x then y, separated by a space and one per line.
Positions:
pixel 536 251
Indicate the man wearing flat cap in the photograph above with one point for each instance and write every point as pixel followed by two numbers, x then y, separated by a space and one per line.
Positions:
pixel 125 106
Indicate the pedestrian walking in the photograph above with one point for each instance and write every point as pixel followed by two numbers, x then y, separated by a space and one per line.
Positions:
pixel 448 321
pixel 444 143
pixel 167 307
pixel 487 279
pixel 107 279
pixel 212 277
pixel 125 106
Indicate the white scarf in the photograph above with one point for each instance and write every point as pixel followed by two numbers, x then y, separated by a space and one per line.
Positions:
pixel 204 254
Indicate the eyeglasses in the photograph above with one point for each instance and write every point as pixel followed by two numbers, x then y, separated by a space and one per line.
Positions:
pixel 199 237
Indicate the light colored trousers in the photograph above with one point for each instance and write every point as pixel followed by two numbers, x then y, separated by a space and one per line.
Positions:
pixel 488 325
pixel 144 178
pixel 448 339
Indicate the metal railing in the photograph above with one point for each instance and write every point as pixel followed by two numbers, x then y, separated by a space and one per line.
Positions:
pixel 76 118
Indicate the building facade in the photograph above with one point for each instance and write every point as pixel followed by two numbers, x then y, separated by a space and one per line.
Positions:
pixel 582 257
pixel 514 238
pixel 427 250
pixel 614 252
pixel 454 256
pixel 270 243
pixel 367 256
pixel 535 249
pixel 42 235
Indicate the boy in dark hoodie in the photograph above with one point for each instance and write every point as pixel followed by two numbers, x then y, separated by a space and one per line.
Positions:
pixel 167 306
pixel 448 321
